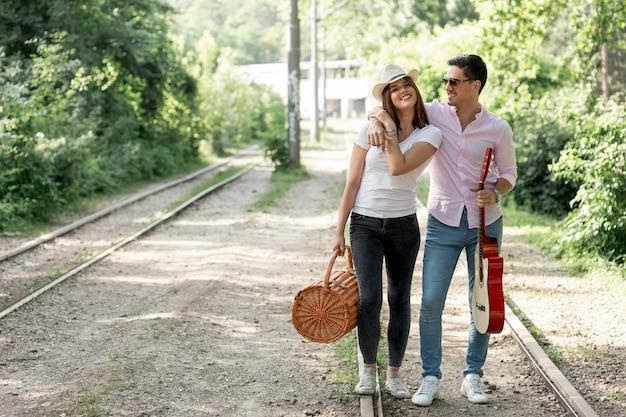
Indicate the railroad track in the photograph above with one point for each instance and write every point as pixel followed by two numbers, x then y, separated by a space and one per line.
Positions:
pixel 567 395
pixel 30 245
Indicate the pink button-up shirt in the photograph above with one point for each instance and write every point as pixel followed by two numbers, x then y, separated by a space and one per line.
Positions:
pixel 457 165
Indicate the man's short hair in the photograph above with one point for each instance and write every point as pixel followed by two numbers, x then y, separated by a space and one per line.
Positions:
pixel 473 67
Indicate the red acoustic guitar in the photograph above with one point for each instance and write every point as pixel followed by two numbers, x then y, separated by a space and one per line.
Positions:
pixel 487 297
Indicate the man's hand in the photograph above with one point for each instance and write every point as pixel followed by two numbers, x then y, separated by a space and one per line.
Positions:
pixel 485 198
pixel 376 134
pixel 376 113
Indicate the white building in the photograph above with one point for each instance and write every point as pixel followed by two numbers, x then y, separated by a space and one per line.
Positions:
pixel 347 95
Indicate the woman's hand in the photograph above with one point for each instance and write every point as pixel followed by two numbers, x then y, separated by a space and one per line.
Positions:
pixel 339 244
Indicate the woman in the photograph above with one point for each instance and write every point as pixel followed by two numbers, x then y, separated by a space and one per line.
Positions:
pixel 380 193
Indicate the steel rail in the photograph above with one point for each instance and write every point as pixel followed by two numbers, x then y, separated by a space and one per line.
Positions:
pixel 31 244
pixel 565 392
pixel 121 243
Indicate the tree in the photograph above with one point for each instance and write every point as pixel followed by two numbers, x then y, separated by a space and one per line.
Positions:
pixel 254 29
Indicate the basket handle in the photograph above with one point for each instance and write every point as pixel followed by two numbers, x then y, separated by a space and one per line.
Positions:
pixel 331 263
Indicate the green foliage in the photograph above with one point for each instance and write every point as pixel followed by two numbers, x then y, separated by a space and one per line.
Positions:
pixel 252 29
pixel 237 112
pixel 277 148
pixel 596 23
pixel 512 38
pixel 432 12
pixel 462 11
pixel 346 373
pixel 547 234
pixel 272 128
pixel 597 160
pixel 542 128
pixel 429 53
pixel 440 13
pixel 92 95
pixel 548 90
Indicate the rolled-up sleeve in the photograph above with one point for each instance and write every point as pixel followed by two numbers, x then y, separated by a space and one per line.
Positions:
pixel 361 139
pixel 504 156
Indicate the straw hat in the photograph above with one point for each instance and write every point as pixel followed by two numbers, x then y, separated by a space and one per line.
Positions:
pixel 389 74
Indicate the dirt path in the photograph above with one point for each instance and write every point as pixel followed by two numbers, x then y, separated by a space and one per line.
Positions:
pixel 193 320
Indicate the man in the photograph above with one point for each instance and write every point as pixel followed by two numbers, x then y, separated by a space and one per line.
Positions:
pixel 453 206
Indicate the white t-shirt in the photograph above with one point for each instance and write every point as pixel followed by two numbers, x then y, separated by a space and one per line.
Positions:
pixel 381 194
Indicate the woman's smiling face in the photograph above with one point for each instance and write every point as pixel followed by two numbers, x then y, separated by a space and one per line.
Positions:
pixel 402 94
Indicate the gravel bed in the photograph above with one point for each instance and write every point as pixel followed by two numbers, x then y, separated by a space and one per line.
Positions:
pixel 24 272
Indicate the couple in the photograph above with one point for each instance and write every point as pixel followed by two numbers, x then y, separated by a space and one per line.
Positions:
pixel 388 156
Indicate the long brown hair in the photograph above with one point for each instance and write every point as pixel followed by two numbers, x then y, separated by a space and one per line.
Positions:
pixel 420 119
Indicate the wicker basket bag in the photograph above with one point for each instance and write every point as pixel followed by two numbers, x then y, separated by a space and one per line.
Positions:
pixel 327 309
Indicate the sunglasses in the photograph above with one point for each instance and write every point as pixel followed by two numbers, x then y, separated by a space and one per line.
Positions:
pixel 453 81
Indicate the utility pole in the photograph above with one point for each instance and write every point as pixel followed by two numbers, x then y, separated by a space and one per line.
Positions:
pixel 293 88
pixel 314 133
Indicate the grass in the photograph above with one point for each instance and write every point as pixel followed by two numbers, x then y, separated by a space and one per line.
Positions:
pixel 88 401
pixel 559 355
pixel 305 140
pixel 555 355
pixel 90 398
pixel 219 177
pixel 282 181
pixel 346 375
pixel 585 352
pixel 544 232
pixel 615 395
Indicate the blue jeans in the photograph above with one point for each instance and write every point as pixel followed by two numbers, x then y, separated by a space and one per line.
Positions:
pixel 441 253
pixel 396 240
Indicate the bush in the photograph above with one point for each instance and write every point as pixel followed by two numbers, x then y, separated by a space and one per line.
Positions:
pixel 91 98
pixel 541 129
pixel 596 159
pixel 273 131
pixel 237 112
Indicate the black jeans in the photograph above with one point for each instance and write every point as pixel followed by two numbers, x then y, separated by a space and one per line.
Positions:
pixel 397 240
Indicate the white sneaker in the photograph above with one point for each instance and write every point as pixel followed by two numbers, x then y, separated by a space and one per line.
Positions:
pixel 472 390
pixel 427 392
pixel 367 383
pixel 396 387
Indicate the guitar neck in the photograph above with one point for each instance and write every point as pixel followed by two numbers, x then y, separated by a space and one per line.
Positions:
pixel 481 213
pixel 481 226
pixel 482 231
